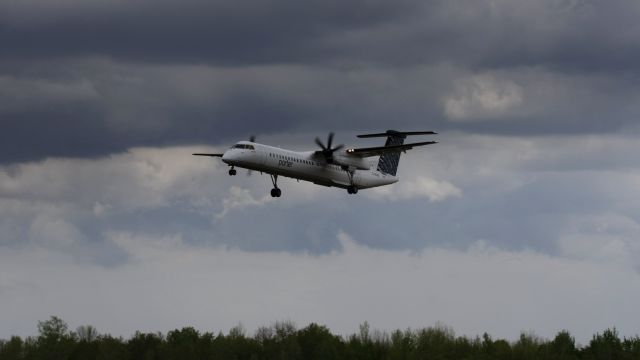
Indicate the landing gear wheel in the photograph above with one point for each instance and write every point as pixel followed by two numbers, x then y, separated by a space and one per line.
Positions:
pixel 232 172
pixel 351 189
pixel 276 192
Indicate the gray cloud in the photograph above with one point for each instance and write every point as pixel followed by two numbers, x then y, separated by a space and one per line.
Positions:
pixel 88 78
pixel 101 106
pixel 169 285
pixel 249 32
pixel 513 193
pixel 570 34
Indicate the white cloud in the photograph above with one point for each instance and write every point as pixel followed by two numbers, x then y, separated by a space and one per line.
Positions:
pixel 240 198
pixel 138 178
pixel 532 94
pixel 611 238
pixel 483 96
pixel 418 187
pixel 54 232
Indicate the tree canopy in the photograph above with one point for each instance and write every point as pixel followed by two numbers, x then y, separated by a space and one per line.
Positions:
pixel 283 340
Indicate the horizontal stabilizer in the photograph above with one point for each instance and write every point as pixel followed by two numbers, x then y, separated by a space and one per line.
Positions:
pixel 402 134
pixel 212 155
pixel 380 150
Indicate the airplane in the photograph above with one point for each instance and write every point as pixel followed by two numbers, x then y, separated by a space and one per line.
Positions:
pixel 330 166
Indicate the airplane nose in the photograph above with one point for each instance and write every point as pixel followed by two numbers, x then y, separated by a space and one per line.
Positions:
pixel 231 157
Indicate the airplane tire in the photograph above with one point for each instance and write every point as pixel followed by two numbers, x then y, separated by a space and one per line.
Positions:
pixel 232 172
pixel 276 192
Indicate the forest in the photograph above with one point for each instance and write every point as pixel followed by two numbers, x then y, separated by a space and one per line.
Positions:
pixel 283 340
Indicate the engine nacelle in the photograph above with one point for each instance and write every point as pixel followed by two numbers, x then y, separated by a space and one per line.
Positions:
pixel 351 161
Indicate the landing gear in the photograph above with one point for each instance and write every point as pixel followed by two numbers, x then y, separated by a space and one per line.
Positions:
pixel 232 171
pixel 351 189
pixel 275 192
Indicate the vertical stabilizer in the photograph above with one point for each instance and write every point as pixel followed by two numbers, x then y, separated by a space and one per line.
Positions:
pixel 388 162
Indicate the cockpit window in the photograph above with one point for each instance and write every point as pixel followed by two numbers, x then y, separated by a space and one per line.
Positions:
pixel 243 146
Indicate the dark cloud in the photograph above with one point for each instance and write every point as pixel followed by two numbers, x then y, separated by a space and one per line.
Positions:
pixel 217 32
pixel 566 34
pixel 90 78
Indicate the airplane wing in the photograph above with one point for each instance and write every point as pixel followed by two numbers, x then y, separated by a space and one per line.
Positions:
pixel 379 150
pixel 212 155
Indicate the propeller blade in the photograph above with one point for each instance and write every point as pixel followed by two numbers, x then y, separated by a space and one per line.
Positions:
pixel 252 138
pixel 330 140
pixel 319 143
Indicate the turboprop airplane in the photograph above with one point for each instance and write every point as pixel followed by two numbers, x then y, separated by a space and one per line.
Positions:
pixel 331 166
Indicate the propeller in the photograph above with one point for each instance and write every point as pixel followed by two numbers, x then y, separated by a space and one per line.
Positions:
pixel 327 151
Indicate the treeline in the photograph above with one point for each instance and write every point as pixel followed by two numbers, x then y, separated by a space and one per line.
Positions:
pixel 284 341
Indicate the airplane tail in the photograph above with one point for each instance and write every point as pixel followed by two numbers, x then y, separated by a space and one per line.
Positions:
pixel 388 162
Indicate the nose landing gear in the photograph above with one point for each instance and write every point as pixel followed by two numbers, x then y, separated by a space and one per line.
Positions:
pixel 232 171
pixel 275 192
pixel 352 190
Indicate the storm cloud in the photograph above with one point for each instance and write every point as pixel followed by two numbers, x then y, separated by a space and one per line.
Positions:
pixel 106 76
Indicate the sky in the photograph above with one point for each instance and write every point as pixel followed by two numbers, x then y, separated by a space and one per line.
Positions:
pixel 525 216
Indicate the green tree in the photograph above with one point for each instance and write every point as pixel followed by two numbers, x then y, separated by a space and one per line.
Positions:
pixel 498 349
pixel 435 343
pixel 562 347
pixel 110 348
pixel 403 344
pixel 363 346
pixel 317 342
pixel 145 346
pixel 54 340
pixel 184 344
pixel 631 347
pixel 235 346
pixel 605 346
pixel 527 347
pixel 12 349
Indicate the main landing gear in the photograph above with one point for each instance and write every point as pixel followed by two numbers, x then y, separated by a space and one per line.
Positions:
pixel 351 189
pixel 232 171
pixel 275 192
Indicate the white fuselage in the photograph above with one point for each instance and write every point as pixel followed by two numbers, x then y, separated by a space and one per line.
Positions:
pixel 307 166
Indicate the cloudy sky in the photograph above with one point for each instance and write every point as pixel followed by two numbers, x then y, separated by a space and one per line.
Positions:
pixel 526 216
